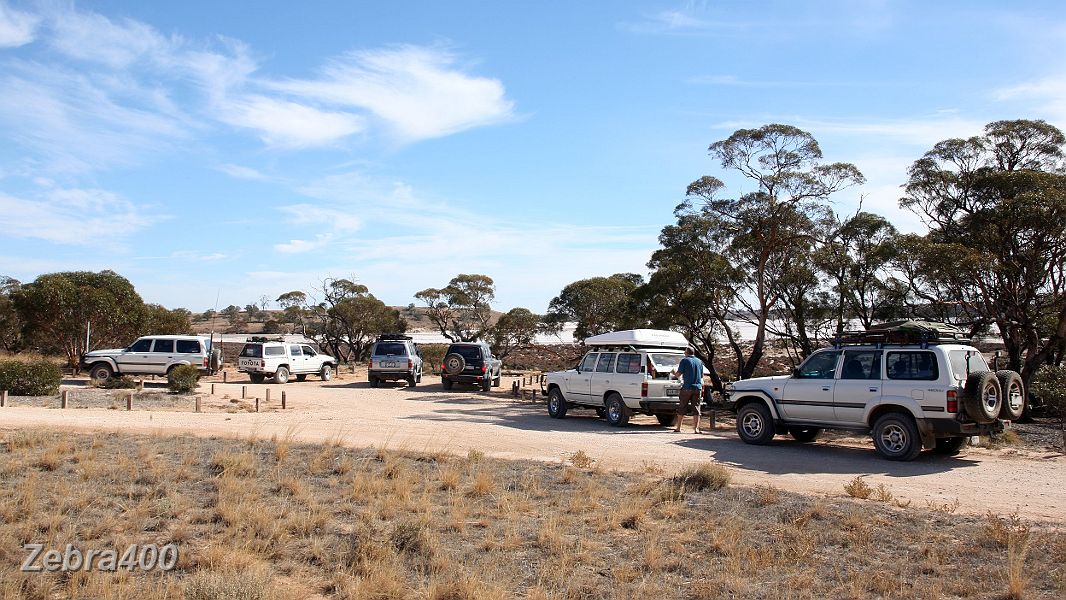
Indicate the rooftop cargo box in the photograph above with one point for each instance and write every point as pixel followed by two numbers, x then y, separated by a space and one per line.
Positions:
pixel 639 338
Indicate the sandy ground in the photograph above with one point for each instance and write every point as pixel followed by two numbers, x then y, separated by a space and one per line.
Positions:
pixel 428 418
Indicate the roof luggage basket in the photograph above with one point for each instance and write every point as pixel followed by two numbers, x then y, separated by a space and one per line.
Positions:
pixel 922 333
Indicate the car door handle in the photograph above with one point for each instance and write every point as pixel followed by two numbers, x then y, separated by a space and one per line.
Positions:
pixel 873 389
pixel 825 388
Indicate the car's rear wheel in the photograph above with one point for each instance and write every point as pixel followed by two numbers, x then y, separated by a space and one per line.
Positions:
pixel 496 381
pixel 896 437
pixel 617 411
pixel 983 399
pixel 418 378
pixel 556 404
pixel 256 377
pixel 1010 383
pixel 281 375
pixel 949 446
pixel 411 381
pixel 601 411
pixel 326 373
pixel 100 373
pixel 667 419
pixel 486 384
pixel 446 383
pixel 374 382
pixel 804 434
pixel 755 424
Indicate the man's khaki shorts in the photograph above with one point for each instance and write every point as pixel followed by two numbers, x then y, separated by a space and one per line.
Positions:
pixel 689 399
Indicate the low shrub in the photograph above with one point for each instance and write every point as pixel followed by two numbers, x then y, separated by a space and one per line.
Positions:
pixel 183 379
pixel 124 382
pixel 30 378
pixel 702 477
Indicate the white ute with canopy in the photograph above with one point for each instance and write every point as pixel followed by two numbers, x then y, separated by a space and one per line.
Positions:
pixel 623 373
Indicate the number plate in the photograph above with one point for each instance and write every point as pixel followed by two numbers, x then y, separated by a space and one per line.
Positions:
pixel 673 391
pixel 248 363
pixel 388 364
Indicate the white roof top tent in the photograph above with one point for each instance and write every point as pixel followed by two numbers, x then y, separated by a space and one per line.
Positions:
pixel 639 338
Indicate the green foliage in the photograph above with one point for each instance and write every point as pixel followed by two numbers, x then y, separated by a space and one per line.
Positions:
pixel 350 319
pixel 54 309
pixel 183 379
pixel 996 250
pixel 124 382
pixel 462 310
pixel 10 321
pixel 30 378
pixel 597 304
pixel 159 320
pixel 515 328
pixel 1049 383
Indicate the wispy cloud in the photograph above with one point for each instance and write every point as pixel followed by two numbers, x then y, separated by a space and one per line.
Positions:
pixel 242 172
pixel 922 131
pixel 17 28
pixel 288 124
pixel 302 246
pixel 679 21
pixel 417 92
pixel 74 217
pixel 1047 95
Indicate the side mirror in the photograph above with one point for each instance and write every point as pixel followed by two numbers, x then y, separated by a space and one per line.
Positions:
pixel 577 367
pixel 796 372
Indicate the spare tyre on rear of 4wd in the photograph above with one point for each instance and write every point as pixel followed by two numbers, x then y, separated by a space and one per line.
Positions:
pixel 982 397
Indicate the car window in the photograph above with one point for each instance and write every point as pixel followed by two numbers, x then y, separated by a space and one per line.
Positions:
pixel 142 346
pixel 862 364
pixel 957 358
pixel 628 363
pixel 274 350
pixel 188 347
pixel 390 349
pixel 294 351
pixel 252 351
pixel 822 365
pixel 163 346
pixel 606 362
pixel 919 366
pixel 467 352
pixel 308 350
pixel 589 362
pixel 665 362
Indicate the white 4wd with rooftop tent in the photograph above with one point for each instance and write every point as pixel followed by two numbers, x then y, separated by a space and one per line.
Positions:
pixel 909 384
pixel 280 360
pixel 624 372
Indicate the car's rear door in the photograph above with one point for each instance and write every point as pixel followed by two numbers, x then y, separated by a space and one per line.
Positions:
pixel 859 385
pixel 161 357
pixel 603 379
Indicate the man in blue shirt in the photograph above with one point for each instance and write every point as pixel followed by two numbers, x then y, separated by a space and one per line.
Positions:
pixel 691 371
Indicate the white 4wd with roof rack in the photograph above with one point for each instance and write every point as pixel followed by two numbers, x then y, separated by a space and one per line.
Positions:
pixel 280 360
pixel 624 372
pixel 910 384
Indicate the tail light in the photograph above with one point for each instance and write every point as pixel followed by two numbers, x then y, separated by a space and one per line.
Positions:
pixel 442 367
pixel 484 368
pixel 370 365
pixel 644 389
pixel 205 362
pixel 410 363
pixel 953 401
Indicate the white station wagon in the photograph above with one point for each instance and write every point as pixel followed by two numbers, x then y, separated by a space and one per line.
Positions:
pixel 623 373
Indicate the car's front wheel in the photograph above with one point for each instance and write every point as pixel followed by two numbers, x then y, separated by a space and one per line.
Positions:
pixel 896 437
pixel 556 404
pixel 326 373
pixel 755 425
pixel 99 373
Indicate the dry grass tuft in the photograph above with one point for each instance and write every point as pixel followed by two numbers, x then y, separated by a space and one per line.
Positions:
pixel 581 460
pixel 706 476
pixel 858 488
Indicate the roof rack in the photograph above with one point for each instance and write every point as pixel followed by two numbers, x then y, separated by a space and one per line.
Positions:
pixel 903 333
pixel 393 337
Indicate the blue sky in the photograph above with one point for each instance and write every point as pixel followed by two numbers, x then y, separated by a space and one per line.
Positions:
pixel 233 149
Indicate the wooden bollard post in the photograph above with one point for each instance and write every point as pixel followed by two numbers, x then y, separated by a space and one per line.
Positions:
pixel 268 395
pixel 212 389
pixel 283 400
pixel 514 389
pixel 257 404
pixel 63 399
pixel 197 404
pixel 534 393
pixel 140 384
pixel 129 401
pixel 244 392
pixel 225 375
pixel 3 398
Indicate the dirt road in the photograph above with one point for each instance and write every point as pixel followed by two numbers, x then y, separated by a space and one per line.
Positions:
pixel 428 418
